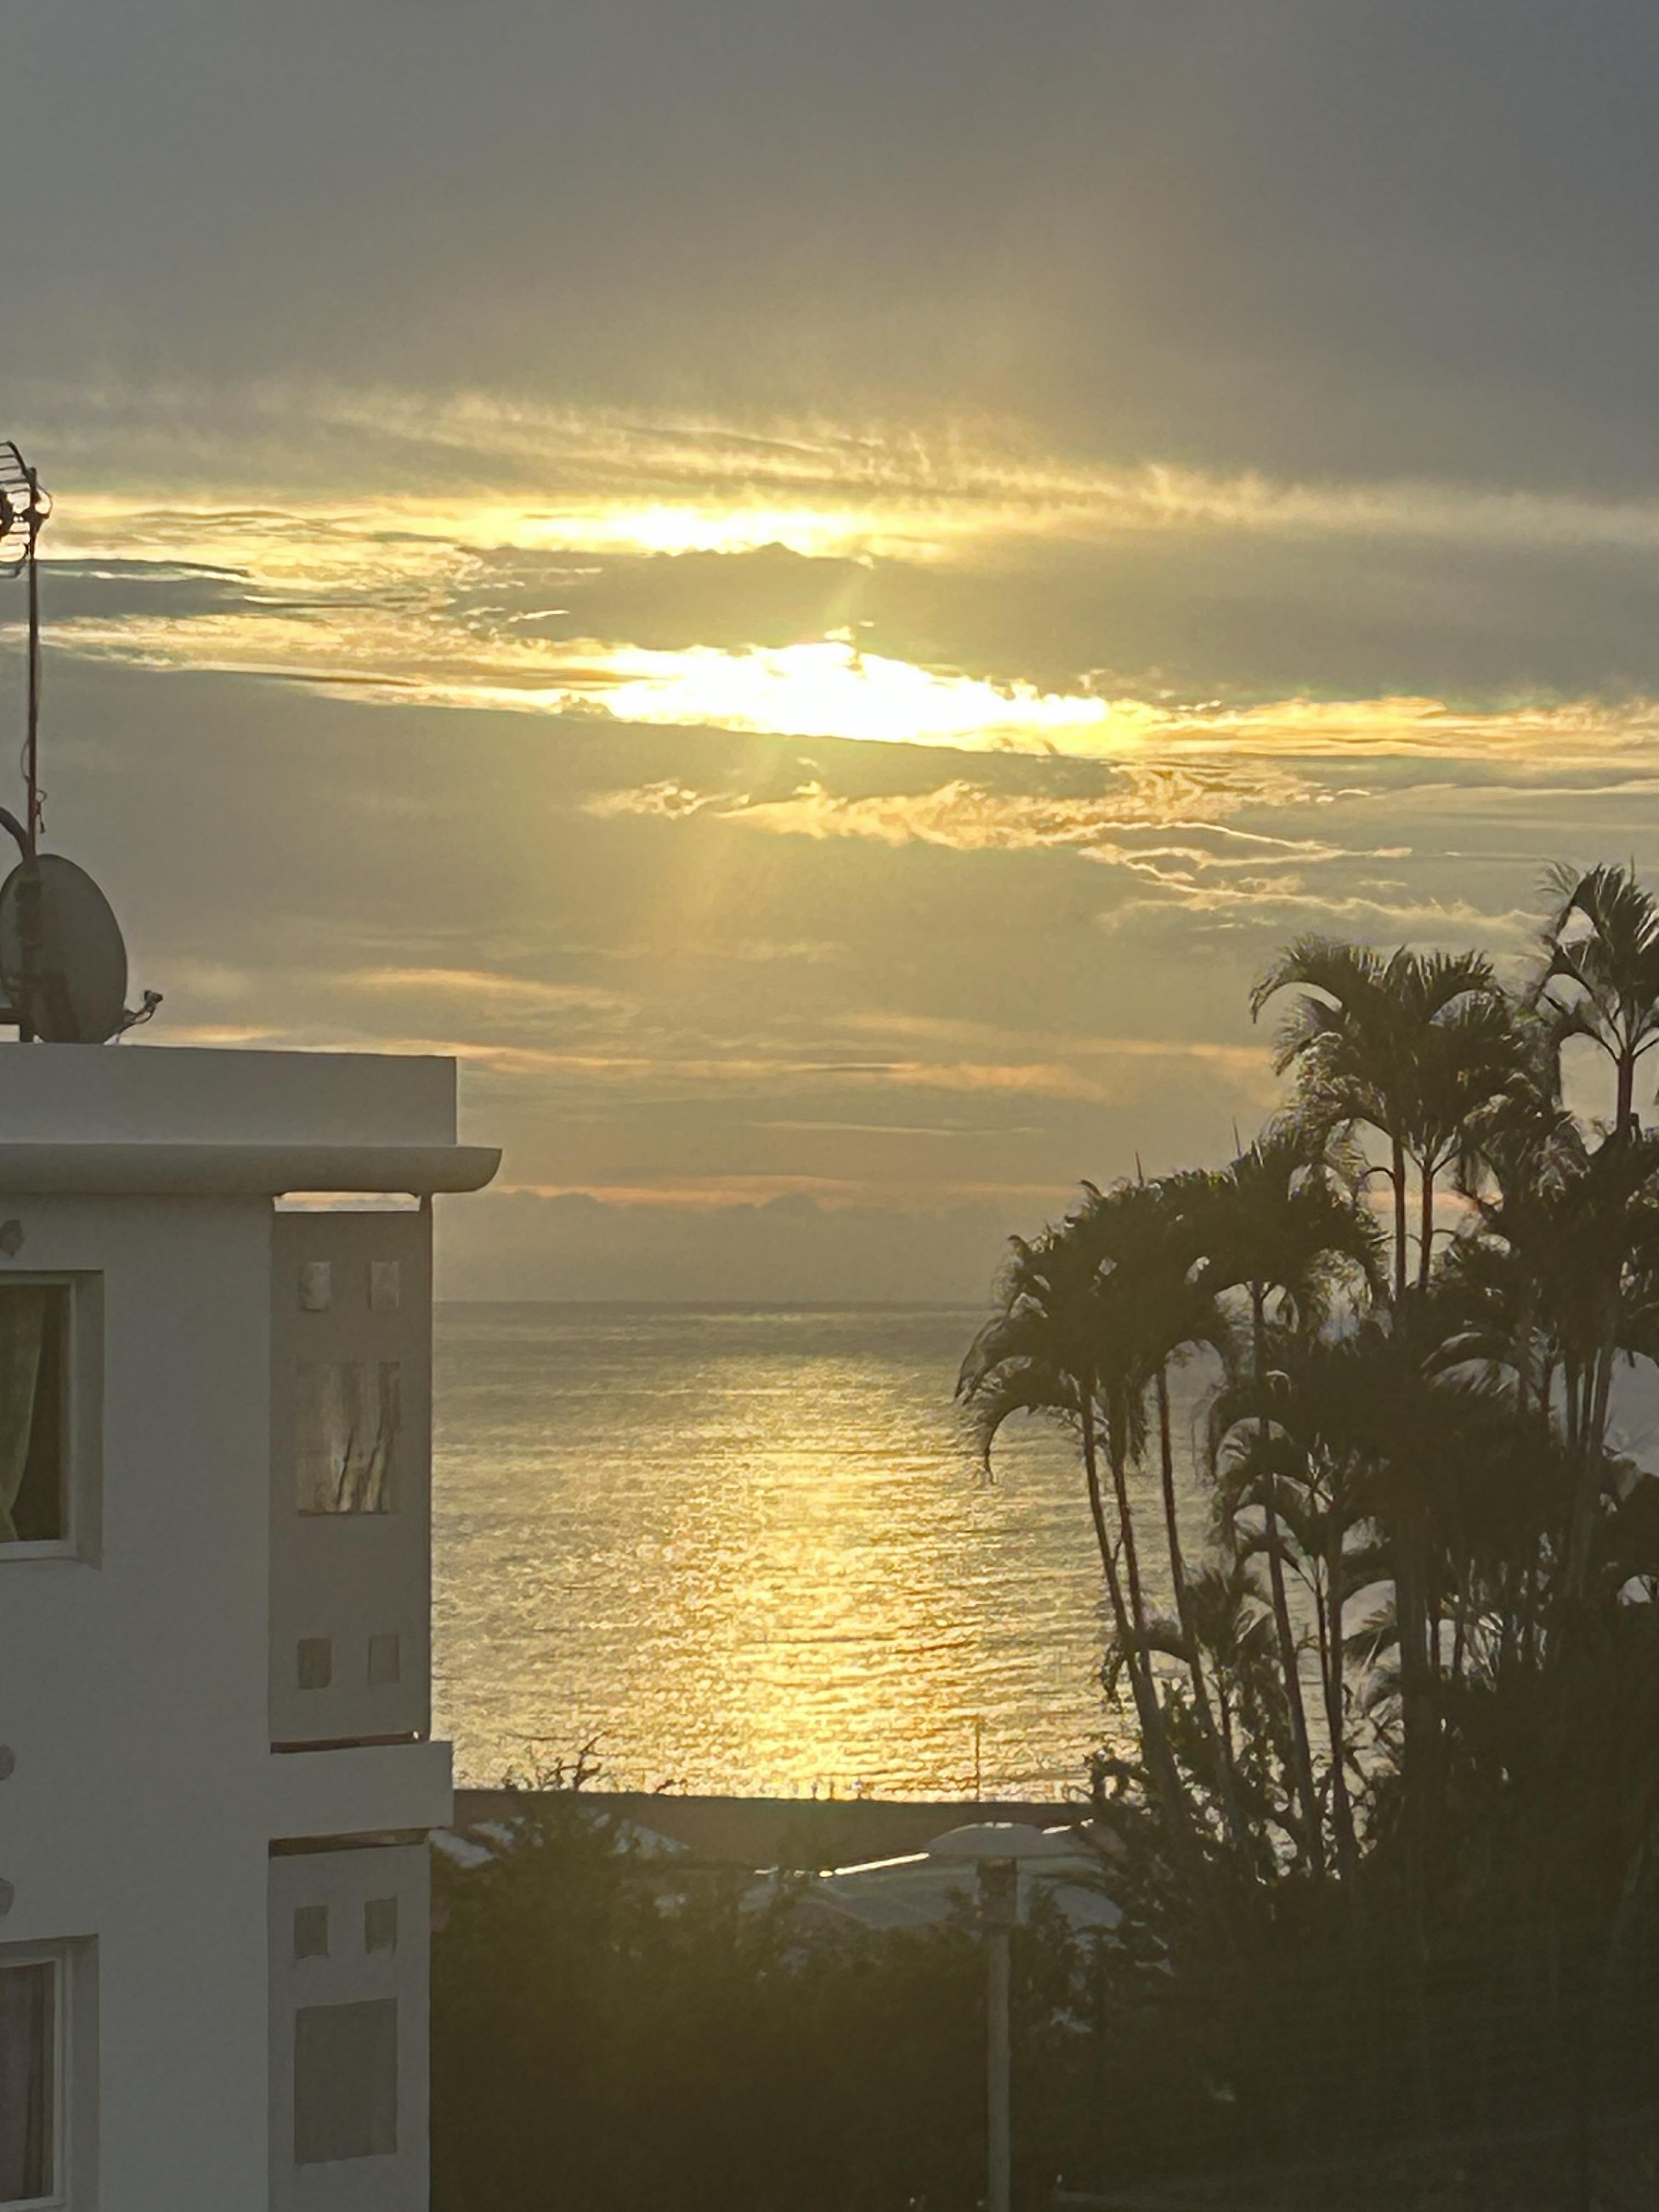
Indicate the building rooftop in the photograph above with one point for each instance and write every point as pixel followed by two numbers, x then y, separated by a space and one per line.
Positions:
pixel 131 1118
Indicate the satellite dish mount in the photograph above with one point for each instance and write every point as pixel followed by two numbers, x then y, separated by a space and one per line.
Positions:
pixel 24 507
pixel 63 962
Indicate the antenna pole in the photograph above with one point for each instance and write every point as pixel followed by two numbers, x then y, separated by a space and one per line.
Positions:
pixel 32 757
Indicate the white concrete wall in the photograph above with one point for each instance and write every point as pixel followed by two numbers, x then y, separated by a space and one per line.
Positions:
pixel 135 1093
pixel 135 1689
pixel 341 1884
pixel 352 1792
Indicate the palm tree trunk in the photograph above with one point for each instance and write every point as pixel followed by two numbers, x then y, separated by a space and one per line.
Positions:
pixel 1535 1622
pixel 1226 1787
pixel 1523 1359
pixel 1416 1711
pixel 1117 1457
pixel 1154 1737
pixel 1591 1465
pixel 1172 1536
pixel 1121 1624
pixel 1508 1634
pixel 1341 1806
pixel 1322 1636
pixel 1397 1176
pixel 1425 1222
pixel 1460 1623
pixel 1301 1750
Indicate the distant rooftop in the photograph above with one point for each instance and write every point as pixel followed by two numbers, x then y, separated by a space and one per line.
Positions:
pixel 920 1892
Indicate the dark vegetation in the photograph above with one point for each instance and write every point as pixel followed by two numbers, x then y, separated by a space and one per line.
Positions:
pixel 1385 1798
pixel 605 2036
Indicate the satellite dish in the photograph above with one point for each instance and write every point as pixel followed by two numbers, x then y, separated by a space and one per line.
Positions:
pixel 63 965
pixel 62 959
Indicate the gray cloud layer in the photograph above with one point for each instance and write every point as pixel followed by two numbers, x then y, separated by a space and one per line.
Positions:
pixel 1308 235
pixel 1243 409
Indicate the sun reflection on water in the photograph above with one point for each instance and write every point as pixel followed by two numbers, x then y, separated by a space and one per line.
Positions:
pixel 751 1553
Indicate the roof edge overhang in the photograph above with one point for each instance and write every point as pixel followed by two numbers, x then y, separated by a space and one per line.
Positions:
pixel 161 1171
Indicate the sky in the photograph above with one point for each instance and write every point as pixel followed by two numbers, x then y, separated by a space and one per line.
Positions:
pixel 814 589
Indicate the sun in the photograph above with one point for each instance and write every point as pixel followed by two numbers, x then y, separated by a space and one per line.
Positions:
pixel 829 689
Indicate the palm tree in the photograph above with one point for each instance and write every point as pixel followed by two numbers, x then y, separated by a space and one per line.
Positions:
pixel 1231 1623
pixel 1445 1446
pixel 1409 1047
pixel 1092 1315
pixel 1598 1276
pixel 1522 1149
pixel 1058 1346
pixel 1557 1279
pixel 1171 1316
pixel 1275 1227
pixel 1600 972
pixel 1317 1464
pixel 1151 1259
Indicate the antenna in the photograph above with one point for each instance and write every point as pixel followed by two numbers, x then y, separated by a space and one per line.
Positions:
pixel 62 959
pixel 24 506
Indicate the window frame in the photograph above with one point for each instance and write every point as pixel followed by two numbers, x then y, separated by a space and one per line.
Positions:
pixel 386 2010
pixel 372 1389
pixel 79 1386
pixel 61 2132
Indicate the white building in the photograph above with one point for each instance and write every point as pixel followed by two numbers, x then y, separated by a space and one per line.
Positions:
pixel 216 1773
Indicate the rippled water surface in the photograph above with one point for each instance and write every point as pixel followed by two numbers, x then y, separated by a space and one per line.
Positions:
pixel 748 1552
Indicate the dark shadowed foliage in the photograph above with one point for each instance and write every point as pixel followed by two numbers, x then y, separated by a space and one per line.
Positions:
pixel 1391 1828
pixel 609 2037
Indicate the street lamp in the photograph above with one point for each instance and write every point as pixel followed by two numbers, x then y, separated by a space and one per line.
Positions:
pixel 995 1849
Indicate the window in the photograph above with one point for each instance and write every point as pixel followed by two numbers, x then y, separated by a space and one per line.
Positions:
pixel 345 2080
pixel 384 1286
pixel 311 1931
pixel 346 1436
pixel 316 1286
pixel 34 1320
pixel 28 2082
pixel 313 1661
pixel 380 1924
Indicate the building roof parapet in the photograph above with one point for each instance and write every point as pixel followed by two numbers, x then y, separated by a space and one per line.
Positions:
pixel 131 1094
pixel 144 1119
pixel 123 1170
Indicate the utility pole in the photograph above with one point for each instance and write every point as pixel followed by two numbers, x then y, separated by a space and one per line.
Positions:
pixel 999 1905
pixel 995 1850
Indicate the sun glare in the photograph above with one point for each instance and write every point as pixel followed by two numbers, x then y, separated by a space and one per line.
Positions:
pixel 830 690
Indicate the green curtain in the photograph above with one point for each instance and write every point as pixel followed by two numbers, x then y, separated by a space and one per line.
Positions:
pixel 26 2090
pixel 22 1333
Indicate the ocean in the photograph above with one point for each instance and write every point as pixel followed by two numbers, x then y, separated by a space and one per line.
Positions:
pixel 748 1552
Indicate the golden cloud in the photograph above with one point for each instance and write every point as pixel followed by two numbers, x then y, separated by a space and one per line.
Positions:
pixel 414 652
pixel 966 818
pixel 604 479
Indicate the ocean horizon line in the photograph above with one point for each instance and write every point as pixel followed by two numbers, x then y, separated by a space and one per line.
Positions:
pixel 731 1305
